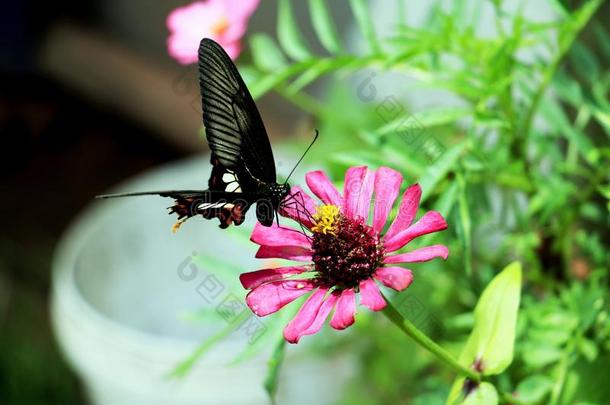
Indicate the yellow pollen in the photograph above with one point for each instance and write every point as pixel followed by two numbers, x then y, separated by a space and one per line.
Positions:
pixel 325 218
pixel 220 26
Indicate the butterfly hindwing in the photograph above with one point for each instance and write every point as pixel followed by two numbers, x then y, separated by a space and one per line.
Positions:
pixel 228 207
pixel 223 179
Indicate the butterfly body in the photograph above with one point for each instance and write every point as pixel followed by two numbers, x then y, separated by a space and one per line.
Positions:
pixel 229 207
pixel 268 206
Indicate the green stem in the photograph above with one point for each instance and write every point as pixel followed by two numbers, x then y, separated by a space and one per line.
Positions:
pixel 302 100
pixel 563 372
pixel 273 373
pixel 407 326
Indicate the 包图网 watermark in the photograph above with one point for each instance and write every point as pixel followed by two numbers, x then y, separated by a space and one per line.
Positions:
pixel 227 304
pixel 393 113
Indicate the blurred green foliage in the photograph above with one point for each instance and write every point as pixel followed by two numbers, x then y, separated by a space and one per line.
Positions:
pixel 516 157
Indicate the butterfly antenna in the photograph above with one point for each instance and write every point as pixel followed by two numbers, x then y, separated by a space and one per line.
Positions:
pixel 303 156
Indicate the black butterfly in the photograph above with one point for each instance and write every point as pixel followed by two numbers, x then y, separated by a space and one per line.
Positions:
pixel 243 168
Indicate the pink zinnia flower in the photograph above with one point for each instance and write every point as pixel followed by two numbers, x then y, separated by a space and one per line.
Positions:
pixel 346 255
pixel 224 21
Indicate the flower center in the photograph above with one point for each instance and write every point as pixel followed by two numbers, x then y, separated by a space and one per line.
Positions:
pixel 220 26
pixel 346 251
pixel 326 218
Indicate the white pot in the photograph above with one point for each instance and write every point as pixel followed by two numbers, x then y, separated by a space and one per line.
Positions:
pixel 119 293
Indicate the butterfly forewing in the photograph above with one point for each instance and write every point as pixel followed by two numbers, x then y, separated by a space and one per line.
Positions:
pixel 234 128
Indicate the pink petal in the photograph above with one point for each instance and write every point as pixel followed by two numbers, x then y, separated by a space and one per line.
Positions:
pixel 387 186
pixel 224 21
pixel 233 49
pixel 240 9
pixel 254 279
pixel 321 186
pixel 420 255
pixel 194 18
pixel 181 50
pixel 188 25
pixel 370 296
pixel 323 313
pixel 271 297
pixel 238 13
pixel 406 212
pixel 357 191
pixel 305 317
pixel 295 204
pixel 296 253
pixel 394 277
pixel 345 310
pixel 278 236
pixel 432 221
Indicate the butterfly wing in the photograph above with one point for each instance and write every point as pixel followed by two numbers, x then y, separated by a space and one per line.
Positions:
pixel 226 180
pixel 228 207
pixel 242 160
pixel 234 128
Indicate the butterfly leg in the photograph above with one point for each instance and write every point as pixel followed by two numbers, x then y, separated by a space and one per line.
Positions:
pixel 298 204
pixel 301 209
pixel 294 204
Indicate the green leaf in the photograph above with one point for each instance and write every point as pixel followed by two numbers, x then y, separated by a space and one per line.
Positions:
pixel 588 349
pixel 551 336
pixel 601 107
pixel 484 394
pixel 587 383
pixel 288 33
pixel 314 72
pixel 603 117
pixel 251 75
pixel 538 355
pixel 274 327
pixel 584 62
pixel 568 89
pixel 439 169
pixel 465 224
pixel 324 26
pixel 492 339
pixel 534 388
pixel 456 394
pixel 426 119
pixel 603 39
pixel 363 18
pixel 220 267
pixel 604 190
pixel 447 200
pixel 555 115
pixel 266 55
pixel 269 81
pixel 560 8
pixel 187 364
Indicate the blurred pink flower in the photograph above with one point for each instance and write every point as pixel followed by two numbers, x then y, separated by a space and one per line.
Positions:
pixel 346 255
pixel 224 21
